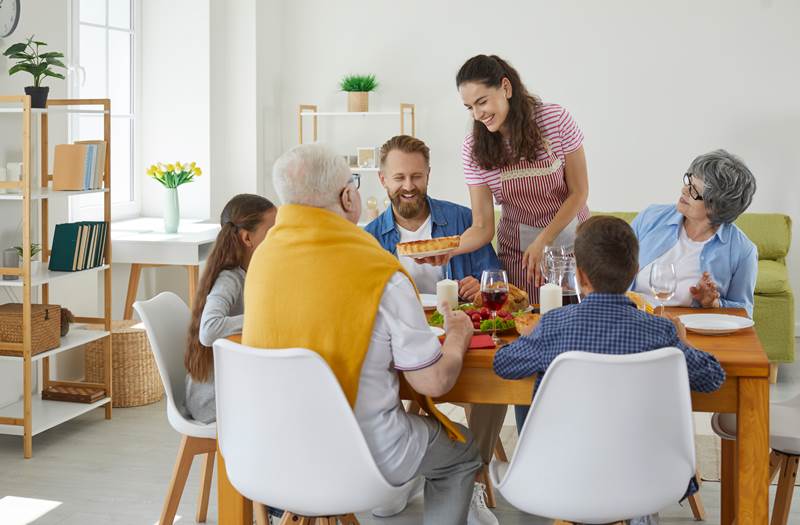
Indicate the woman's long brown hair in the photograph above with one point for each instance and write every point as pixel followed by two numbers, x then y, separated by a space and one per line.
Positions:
pixel 489 149
pixel 244 211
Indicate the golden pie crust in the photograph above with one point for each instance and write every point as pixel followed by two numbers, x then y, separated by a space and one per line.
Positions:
pixel 517 299
pixel 413 248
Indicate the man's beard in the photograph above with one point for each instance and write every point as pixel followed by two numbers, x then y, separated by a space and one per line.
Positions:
pixel 409 209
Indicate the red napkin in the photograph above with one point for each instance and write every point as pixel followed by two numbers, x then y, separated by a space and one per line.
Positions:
pixel 481 341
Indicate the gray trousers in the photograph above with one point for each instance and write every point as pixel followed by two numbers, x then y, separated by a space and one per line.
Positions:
pixel 449 469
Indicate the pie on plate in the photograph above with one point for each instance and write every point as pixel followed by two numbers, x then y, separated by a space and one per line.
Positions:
pixel 428 247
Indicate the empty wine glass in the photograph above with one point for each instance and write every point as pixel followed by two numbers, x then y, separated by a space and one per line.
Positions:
pixel 663 282
pixel 494 292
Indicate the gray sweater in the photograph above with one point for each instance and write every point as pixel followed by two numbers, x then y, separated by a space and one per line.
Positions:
pixel 223 315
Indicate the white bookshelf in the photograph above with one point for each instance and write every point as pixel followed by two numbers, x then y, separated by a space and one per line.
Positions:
pixel 75 338
pixel 41 275
pixel 46 193
pixel 45 414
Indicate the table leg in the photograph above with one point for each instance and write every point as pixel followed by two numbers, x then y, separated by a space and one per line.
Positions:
pixel 232 507
pixel 133 287
pixel 728 482
pixel 194 277
pixel 752 451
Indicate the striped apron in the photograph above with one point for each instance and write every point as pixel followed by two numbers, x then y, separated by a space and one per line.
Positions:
pixel 533 192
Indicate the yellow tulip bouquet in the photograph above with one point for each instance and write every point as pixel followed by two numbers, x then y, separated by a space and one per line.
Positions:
pixel 173 175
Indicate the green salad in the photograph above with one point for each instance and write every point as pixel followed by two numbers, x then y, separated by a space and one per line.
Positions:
pixel 481 318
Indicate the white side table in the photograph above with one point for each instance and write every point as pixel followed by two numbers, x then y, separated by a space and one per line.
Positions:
pixel 142 243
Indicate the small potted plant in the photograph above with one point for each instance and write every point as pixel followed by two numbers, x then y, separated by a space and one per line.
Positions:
pixel 35 249
pixel 38 64
pixel 171 176
pixel 357 88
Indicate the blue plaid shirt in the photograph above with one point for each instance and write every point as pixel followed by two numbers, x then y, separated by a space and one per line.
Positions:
pixel 602 324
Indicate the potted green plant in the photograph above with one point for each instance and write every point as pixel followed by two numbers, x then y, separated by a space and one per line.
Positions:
pixel 357 88
pixel 31 60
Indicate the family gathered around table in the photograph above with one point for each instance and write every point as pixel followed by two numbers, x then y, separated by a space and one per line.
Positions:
pixel 275 271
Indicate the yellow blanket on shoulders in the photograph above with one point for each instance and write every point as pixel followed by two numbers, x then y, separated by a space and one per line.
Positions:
pixel 316 282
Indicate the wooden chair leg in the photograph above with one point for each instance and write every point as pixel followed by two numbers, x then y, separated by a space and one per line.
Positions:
pixel 179 474
pixel 261 514
pixel 775 461
pixel 783 496
pixel 500 451
pixel 698 510
pixel 205 486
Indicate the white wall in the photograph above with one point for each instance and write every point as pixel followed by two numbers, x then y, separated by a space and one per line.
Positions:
pixel 652 84
pixel 174 113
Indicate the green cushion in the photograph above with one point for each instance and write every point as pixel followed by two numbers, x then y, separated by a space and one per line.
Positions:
pixel 772 277
pixel 774 318
pixel 771 233
pixel 627 216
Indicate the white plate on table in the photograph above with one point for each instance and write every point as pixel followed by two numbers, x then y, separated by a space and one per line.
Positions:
pixel 438 332
pixel 715 324
pixel 428 300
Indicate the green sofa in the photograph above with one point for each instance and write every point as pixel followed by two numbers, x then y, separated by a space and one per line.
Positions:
pixel 773 312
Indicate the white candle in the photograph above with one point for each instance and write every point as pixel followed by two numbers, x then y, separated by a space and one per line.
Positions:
pixel 549 297
pixel 446 292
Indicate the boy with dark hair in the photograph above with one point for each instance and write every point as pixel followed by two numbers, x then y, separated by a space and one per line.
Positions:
pixel 606 321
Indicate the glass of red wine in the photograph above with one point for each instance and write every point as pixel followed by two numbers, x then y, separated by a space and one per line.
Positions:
pixel 494 292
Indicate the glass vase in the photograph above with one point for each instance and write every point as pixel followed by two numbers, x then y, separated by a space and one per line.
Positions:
pixel 172 211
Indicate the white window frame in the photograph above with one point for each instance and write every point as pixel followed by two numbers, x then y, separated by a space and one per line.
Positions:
pixel 119 210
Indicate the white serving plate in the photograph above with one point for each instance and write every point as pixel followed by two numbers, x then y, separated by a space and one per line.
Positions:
pixel 438 332
pixel 715 324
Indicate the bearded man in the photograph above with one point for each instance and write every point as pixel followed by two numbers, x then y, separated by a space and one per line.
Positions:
pixel 404 172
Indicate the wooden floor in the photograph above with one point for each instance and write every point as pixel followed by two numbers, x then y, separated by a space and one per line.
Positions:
pixel 116 472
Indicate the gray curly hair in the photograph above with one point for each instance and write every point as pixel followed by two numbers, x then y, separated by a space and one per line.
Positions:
pixel 729 185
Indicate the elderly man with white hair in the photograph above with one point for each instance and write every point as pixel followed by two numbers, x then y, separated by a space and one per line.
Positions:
pixel 320 282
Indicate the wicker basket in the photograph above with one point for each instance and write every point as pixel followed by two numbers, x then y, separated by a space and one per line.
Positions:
pixel 45 327
pixel 135 376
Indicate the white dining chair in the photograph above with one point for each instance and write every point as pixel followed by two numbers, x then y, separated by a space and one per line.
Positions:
pixel 784 442
pixel 608 438
pixel 166 319
pixel 290 438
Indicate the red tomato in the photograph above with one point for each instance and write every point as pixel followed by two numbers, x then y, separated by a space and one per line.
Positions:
pixel 476 325
pixel 485 313
pixel 476 317
pixel 503 313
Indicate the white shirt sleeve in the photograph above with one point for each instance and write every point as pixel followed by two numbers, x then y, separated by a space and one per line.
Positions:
pixel 413 344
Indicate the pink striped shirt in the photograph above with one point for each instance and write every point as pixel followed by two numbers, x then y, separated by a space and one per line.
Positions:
pixel 558 128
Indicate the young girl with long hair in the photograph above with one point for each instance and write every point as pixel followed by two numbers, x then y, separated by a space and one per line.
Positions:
pixel 219 304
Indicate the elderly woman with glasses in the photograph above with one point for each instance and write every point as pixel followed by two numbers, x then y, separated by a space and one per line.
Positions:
pixel 715 263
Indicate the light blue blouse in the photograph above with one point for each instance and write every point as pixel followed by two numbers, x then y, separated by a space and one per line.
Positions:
pixel 729 256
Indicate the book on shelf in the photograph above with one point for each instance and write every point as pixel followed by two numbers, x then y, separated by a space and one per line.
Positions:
pixel 78 246
pixel 79 166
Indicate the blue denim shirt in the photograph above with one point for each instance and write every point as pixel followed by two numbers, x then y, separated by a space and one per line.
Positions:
pixel 729 256
pixel 447 218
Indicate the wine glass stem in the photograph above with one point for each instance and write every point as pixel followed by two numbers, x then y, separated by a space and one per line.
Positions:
pixel 494 326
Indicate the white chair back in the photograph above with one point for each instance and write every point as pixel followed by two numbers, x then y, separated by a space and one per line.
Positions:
pixel 166 319
pixel 288 435
pixel 608 438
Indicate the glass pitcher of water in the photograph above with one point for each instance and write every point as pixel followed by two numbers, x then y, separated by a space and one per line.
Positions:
pixel 558 266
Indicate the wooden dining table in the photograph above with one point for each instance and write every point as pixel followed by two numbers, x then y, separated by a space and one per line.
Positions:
pixel 745 462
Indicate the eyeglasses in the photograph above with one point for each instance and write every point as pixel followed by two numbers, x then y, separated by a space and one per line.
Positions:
pixel 355 179
pixel 693 193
